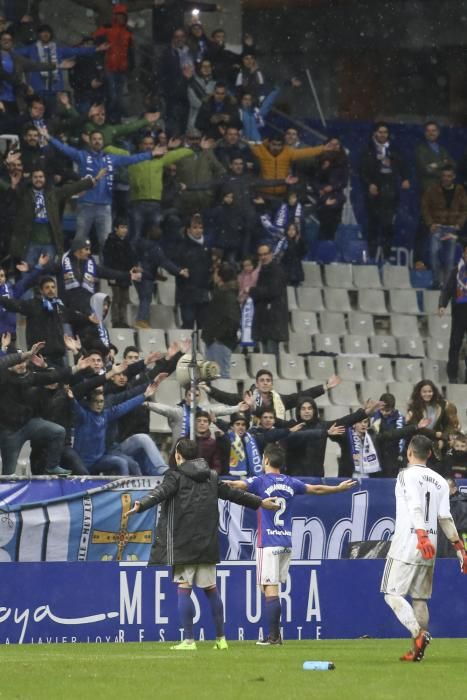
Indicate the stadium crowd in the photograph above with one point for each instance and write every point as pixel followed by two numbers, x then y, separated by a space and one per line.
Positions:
pixel 187 188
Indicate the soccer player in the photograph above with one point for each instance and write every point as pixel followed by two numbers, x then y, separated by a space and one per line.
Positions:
pixel 422 502
pixel 274 543
pixel 187 532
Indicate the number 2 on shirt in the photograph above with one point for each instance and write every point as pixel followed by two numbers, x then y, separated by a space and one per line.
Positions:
pixel 283 505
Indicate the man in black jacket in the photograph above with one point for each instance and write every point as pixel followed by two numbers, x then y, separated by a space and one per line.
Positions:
pixel 187 532
pixel 455 291
pixel 220 332
pixel 192 290
pixel 271 319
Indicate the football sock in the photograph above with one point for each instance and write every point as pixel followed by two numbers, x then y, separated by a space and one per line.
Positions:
pixel 420 609
pixel 404 613
pixel 186 611
pixel 273 615
pixel 217 610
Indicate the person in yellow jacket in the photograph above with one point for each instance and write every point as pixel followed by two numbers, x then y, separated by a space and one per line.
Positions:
pixel 275 159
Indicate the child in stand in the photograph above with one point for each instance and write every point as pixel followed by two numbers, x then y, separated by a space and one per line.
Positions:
pixel 290 251
pixel 118 255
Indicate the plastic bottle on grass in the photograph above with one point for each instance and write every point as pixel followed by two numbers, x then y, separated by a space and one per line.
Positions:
pixel 318 666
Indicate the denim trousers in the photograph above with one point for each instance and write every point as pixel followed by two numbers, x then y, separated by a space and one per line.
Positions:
pixel 142 213
pixel 447 249
pixel 38 430
pixel 216 352
pixel 99 215
pixel 143 449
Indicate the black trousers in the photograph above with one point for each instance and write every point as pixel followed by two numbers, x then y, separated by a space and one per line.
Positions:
pixel 458 331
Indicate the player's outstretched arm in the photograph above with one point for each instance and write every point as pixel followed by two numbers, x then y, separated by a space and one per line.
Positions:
pixel 322 490
pixel 242 485
pixel 448 527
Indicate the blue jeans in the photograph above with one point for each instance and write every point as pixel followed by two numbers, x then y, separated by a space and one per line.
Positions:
pixel 115 84
pixel 216 352
pixel 143 213
pixel 38 430
pixel 34 250
pixel 98 214
pixel 143 449
pixel 115 463
pixel 145 290
pixel 447 249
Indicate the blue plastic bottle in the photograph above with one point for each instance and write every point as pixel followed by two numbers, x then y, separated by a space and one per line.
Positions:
pixel 318 666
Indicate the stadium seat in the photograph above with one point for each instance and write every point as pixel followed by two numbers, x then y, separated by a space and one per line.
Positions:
pixel 366 277
pixel 403 301
pixel 332 454
pixel 457 394
pixel 229 385
pixel 372 302
pixel 259 361
pixel 291 298
pixel 356 344
pixel 166 293
pixel 162 317
pixel 122 337
pixel 333 413
pixel 285 386
pixel 312 272
pixel 403 325
pixel 350 368
pixel 437 348
pixel 300 342
pixel 327 342
pixel 134 298
pixel 383 345
pixel 407 370
pixel 360 323
pixel 402 392
pixel 338 275
pixel 151 340
pixel 372 389
pixel 378 368
pixel 435 370
pixel 336 300
pixel 238 368
pixel 345 394
pixel 431 302
pixel 158 423
pixel 304 322
pixel 439 326
pixel 396 277
pixel 320 368
pixel 411 346
pixel 169 392
pixel 332 322
pixel 292 367
pixel 310 299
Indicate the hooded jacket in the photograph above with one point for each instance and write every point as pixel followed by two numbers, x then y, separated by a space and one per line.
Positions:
pixel 119 56
pixel 187 528
pixel 96 334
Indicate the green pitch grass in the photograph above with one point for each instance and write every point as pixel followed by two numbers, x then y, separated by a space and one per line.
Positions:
pixel 365 670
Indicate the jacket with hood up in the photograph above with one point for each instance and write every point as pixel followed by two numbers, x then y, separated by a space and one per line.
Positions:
pixel 187 527
pixel 119 56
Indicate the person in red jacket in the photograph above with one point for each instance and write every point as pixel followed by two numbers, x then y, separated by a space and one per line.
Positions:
pixel 118 58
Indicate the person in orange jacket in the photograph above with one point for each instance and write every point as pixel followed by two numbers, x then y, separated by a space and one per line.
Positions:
pixel 275 159
pixel 119 58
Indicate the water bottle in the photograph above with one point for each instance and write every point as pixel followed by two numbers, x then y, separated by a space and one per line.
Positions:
pixel 318 666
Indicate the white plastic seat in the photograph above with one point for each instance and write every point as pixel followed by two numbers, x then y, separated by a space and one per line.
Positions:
pixel 304 322
pixel 312 274
pixel 407 370
pixel 332 322
pixel 122 337
pixel 396 277
pixel 439 326
pixel 350 369
pixel 437 348
pixel 333 412
pixel 378 368
pixel 431 302
pixel 356 344
pixel 402 392
pixel 457 394
pixel 411 346
pixel 292 367
pixel 162 317
pixel 262 361
pixel 344 394
pixel 285 386
pixel 291 298
pixel 372 301
pixel 336 300
pixel 300 342
pixel 166 293
pixel 151 340
pixel 327 342
pixel 403 325
pixel 436 370
pixel 372 389
pixel 366 277
pixel 158 423
pixel 383 345
pixel 338 275
pixel 320 367
pixel 229 385
pixel 310 299
pixel 238 368
pixel 403 301
pixel 361 323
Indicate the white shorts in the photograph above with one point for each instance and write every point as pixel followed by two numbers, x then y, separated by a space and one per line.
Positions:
pixel 272 565
pixel 400 578
pixel 201 575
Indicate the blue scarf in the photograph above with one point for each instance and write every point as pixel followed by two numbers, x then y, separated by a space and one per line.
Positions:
pixel 461 279
pixel 185 420
pixel 245 457
pixel 246 323
pixel 50 304
pixel 69 279
pixel 364 455
pixel 40 208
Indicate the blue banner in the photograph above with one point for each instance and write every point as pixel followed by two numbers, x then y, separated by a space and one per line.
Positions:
pixel 84 602
pixel 83 520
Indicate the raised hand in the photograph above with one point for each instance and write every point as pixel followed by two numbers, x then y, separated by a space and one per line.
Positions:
pixel 6 340
pixel 37 347
pixel 132 511
pixel 39 361
pixel 22 266
pixel 296 428
pixel 102 173
pixel 174 142
pixel 336 429
pixel 184 272
pixel 153 357
pixel 84 363
pixel 206 143
pixel 159 151
pixel 103 47
pixel 423 423
pixel 152 117
pixel 333 381
pixel 159 379
pixel 43 259
pixel 67 64
pixel 347 484
pixel 371 406
pixel 135 274
pixel 270 504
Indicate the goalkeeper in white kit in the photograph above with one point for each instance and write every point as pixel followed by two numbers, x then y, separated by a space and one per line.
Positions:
pixel 422 503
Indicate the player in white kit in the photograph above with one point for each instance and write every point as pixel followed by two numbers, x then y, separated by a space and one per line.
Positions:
pixel 422 503
pixel 274 543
